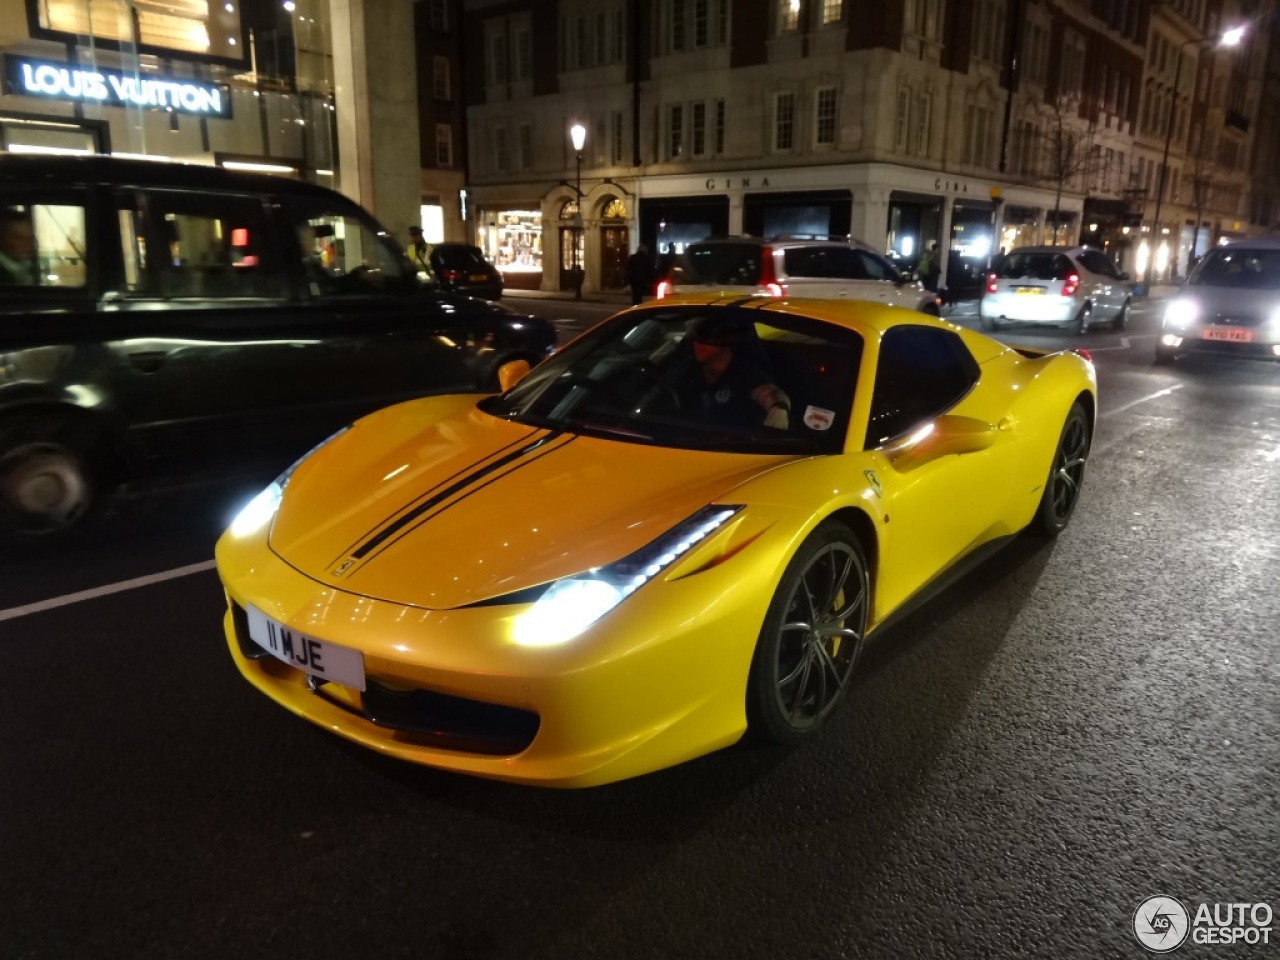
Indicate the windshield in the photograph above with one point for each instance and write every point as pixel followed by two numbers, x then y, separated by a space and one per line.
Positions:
pixel 1035 266
pixel 708 378
pixel 1248 269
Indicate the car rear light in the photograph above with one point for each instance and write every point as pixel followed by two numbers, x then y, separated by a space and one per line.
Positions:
pixel 1071 285
pixel 769 276
pixel 664 288
pixel 991 283
pixel 1083 352
pixel 452 275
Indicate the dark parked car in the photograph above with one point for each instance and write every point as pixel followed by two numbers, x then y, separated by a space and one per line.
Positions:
pixel 155 313
pixel 462 268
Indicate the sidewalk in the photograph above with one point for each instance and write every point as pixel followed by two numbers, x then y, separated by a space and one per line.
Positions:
pixel 615 298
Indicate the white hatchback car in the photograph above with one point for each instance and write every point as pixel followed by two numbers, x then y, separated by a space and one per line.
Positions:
pixel 793 267
pixel 1070 287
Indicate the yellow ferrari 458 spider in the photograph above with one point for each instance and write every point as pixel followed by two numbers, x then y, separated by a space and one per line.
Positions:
pixel 679 528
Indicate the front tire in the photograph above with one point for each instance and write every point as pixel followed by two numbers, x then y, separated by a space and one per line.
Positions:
pixel 1066 476
pixel 811 639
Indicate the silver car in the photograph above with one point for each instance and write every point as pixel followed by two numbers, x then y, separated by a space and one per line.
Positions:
pixel 1070 287
pixel 1230 304
pixel 793 267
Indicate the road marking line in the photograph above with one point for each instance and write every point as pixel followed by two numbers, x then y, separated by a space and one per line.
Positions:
pixel 1133 403
pixel 14 612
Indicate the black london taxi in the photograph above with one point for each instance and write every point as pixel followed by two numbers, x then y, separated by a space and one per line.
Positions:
pixel 152 313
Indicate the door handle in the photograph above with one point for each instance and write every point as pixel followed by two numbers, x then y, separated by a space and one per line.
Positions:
pixel 148 361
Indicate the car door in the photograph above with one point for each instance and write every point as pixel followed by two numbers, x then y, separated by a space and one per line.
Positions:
pixel 210 354
pixel 1101 282
pixel 875 279
pixel 390 337
pixel 939 502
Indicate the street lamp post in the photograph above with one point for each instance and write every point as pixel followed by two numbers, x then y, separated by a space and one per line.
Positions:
pixel 1230 38
pixel 579 134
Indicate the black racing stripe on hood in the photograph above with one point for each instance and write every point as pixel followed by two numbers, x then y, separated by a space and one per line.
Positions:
pixel 426 506
pixel 472 468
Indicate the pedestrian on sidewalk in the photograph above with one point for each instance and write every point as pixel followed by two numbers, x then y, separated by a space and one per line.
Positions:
pixel 640 273
pixel 930 267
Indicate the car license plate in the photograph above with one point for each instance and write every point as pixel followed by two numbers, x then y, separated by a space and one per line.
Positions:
pixel 479 277
pixel 327 661
pixel 1035 291
pixel 1228 333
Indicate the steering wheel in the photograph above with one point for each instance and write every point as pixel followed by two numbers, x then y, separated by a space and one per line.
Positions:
pixel 659 387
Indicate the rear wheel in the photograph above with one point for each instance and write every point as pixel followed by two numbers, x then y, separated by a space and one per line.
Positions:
pixel 1066 475
pixel 1122 318
pixel 47 481
pixel 1080 325
pixel 811 638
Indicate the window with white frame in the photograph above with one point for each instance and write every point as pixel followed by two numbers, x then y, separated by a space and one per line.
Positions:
pixel 501 155
pixel 698 129
pixel 923 124
pixel 1036 52
pixel 439 19
pixel 695 24
pixel 832 12
pixel 525 157
pixel 497 71
pixel 440 88
pixel 522 69
pixel 719 128
pixel 592 39
pixel 600 138
pixel 921 18
pixel 784 121
pixel 977 144
pixel 902 120
pixel 615 139
pixel 988 30
pixel 788 16
pixel 679 24
pixel 701 22
pixel 444 145
pixel 824 117
pixel 1071 81
pixel 675 131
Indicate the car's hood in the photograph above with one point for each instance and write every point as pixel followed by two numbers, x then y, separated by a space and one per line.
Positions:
pixel 473 507
pixel 1215 302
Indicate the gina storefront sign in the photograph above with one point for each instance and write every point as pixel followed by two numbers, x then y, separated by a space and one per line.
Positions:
pixel 60 81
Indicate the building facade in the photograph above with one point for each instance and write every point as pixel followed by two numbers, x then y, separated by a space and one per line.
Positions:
pixel 979 125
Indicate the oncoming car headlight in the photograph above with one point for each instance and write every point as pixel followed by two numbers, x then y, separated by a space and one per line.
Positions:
pixel 1181 313
pixel 569 606
pixel 257 513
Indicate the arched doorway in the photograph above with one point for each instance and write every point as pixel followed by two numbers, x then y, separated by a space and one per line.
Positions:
pixel 614 243
pixel 572 249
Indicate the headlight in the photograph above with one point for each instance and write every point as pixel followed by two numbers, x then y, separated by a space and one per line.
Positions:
pixel 1181 313
pixel 569 606
pixel 257 513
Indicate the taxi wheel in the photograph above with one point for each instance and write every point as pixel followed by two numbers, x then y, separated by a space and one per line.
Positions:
pixel 812 637
pixel 1062 488
pixel 46 480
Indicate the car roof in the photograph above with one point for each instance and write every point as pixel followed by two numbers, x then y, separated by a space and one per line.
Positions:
pixel 790 240
pixel 42 170
pixel 1266 242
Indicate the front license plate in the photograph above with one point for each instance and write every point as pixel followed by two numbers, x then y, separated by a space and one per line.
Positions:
pixel 1228 333
pixel 327 661
pixel 1035 291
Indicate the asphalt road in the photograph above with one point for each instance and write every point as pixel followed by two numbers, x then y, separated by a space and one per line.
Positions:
pixel 1071 729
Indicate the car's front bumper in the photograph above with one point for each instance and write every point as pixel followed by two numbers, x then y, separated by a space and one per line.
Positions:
pixel 1263 342
pixel 659 680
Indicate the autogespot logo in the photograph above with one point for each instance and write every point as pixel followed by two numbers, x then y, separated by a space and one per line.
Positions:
pixel 1161 924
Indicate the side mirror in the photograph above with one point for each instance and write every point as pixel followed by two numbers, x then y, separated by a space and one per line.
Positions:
pixel 946 435
pixel 512 372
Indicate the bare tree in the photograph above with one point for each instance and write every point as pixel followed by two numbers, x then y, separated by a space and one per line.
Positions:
pixel 1067 151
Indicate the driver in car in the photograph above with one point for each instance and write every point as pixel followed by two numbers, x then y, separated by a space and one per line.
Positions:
pixel 734 387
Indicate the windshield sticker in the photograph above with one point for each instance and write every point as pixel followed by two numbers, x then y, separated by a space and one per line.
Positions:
pixel 816 418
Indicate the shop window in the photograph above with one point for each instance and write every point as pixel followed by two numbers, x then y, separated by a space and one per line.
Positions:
pixel 208 247
pixel 186 27
pixel 42 245
pixel 512 239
